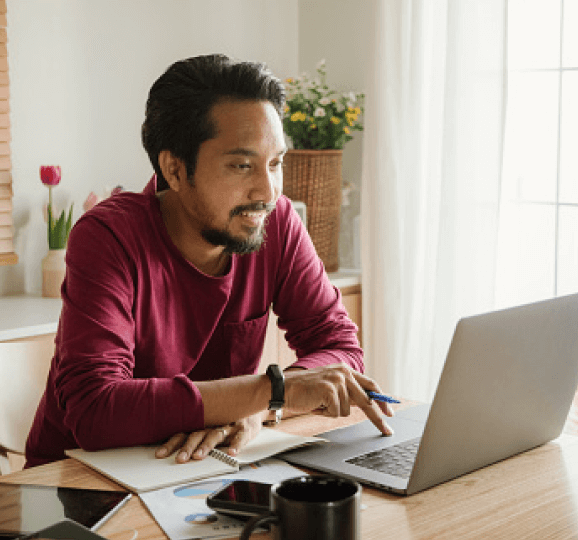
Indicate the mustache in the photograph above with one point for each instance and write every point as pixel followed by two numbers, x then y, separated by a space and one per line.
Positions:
pixel 257 207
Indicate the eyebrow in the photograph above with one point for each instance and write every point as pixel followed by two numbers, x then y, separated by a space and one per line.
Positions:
pixel 248 152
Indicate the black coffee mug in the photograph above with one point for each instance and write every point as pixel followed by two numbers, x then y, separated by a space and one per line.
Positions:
pixel 312 508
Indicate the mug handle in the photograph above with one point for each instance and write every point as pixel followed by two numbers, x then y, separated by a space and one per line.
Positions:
pixel 257 521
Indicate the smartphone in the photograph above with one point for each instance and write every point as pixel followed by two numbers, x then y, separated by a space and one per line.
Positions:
pixel 241 498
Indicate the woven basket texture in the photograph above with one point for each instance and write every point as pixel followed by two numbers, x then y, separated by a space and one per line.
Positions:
pixel 314 177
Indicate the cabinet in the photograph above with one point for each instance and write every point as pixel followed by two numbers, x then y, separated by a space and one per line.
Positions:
pixel 30 319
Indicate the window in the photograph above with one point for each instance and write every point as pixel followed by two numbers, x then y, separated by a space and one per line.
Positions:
pixel 538 241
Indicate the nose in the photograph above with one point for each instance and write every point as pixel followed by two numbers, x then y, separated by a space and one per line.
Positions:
pixel 266 186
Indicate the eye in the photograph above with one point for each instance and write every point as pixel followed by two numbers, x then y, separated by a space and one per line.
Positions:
pixel 241 166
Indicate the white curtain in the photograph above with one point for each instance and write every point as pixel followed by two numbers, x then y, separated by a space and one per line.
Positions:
pixel 431 181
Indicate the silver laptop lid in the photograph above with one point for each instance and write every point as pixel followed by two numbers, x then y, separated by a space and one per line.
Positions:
pixel 507 386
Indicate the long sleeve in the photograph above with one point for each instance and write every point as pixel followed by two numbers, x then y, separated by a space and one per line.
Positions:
pixel 309 306
pixel 104 403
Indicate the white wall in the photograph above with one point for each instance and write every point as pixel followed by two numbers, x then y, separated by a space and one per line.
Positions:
pixel 80 72
pixel 337 31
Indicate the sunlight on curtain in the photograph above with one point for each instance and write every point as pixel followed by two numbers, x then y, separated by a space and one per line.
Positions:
pixel 538 241
pixel 431 182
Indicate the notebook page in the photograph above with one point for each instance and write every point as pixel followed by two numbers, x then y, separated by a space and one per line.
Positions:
pixel 137 468
pixel 270 442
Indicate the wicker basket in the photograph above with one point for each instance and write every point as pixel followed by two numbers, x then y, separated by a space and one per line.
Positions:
pixel 314 177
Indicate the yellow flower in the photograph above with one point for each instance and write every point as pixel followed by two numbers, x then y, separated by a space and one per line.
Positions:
pixel 286 109
pixel 319 116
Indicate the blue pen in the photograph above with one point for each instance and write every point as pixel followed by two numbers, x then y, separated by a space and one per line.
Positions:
pixel 381 397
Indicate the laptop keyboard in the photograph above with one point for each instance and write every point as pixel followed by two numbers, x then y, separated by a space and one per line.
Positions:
pixel 396 460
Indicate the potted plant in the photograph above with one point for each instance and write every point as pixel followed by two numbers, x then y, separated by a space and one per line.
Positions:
pixel 319 122
pixel 53 265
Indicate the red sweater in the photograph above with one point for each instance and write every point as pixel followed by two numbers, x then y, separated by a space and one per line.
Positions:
pixel 140 324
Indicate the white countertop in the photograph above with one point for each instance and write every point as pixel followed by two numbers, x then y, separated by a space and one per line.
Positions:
pixel 345 278
pixel 28 316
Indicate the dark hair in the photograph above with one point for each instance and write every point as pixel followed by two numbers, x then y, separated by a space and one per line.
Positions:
pixel 178 107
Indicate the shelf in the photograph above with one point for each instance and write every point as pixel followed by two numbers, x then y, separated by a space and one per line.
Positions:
pixel 28 316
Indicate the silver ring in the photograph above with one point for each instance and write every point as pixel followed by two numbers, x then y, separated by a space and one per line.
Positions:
pixel 225 434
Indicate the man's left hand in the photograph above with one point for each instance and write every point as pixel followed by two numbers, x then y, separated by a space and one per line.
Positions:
pixel 198 444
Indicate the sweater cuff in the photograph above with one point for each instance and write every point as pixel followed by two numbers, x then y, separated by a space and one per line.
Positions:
pixel 327 357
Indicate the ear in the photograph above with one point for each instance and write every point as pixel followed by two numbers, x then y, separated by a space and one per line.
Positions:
pixel 173 169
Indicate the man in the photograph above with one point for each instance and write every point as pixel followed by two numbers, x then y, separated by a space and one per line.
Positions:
pixel 167 292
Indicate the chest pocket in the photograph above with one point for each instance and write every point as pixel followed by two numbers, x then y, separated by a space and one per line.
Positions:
pixel 245 341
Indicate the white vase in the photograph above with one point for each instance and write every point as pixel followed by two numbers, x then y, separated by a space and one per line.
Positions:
pixel 53 270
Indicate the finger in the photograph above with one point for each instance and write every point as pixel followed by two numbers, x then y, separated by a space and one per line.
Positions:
pixel 369 407
pixel 212 438
pixel 344 404
pixel 239 439
pixel 385 408
pixel 373 412
pixel 171 445
pixel 190 445
pixel 368 384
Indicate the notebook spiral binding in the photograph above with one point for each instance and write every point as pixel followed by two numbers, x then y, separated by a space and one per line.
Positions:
pixel 221 456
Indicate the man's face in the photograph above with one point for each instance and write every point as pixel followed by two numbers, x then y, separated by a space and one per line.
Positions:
pixel 238 176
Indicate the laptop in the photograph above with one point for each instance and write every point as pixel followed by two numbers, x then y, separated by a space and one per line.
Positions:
pixel 506 387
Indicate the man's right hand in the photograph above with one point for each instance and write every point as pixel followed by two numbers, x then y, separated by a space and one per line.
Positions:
pixel 331 391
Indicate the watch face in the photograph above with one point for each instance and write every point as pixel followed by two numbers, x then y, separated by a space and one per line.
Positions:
pixel 274 417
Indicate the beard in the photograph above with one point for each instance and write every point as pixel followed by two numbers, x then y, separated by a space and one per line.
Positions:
pixel 236 244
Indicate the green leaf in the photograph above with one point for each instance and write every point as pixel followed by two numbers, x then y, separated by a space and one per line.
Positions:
pixel 69 223
pixel 58 230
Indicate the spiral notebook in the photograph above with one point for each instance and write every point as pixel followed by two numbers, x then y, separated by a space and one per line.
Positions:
pixel 137 468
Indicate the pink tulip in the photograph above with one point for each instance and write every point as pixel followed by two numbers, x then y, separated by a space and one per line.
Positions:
pixel 50 175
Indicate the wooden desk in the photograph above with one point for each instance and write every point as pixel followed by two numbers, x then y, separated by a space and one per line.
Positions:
pixel 531 496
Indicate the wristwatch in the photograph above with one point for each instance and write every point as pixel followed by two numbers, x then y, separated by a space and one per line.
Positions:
pixel 277 395
pixel 277 387
pixel 274 418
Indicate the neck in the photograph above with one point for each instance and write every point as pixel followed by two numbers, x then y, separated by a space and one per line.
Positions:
pixel 209 259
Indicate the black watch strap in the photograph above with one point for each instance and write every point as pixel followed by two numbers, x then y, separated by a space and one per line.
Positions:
pixel 277 387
